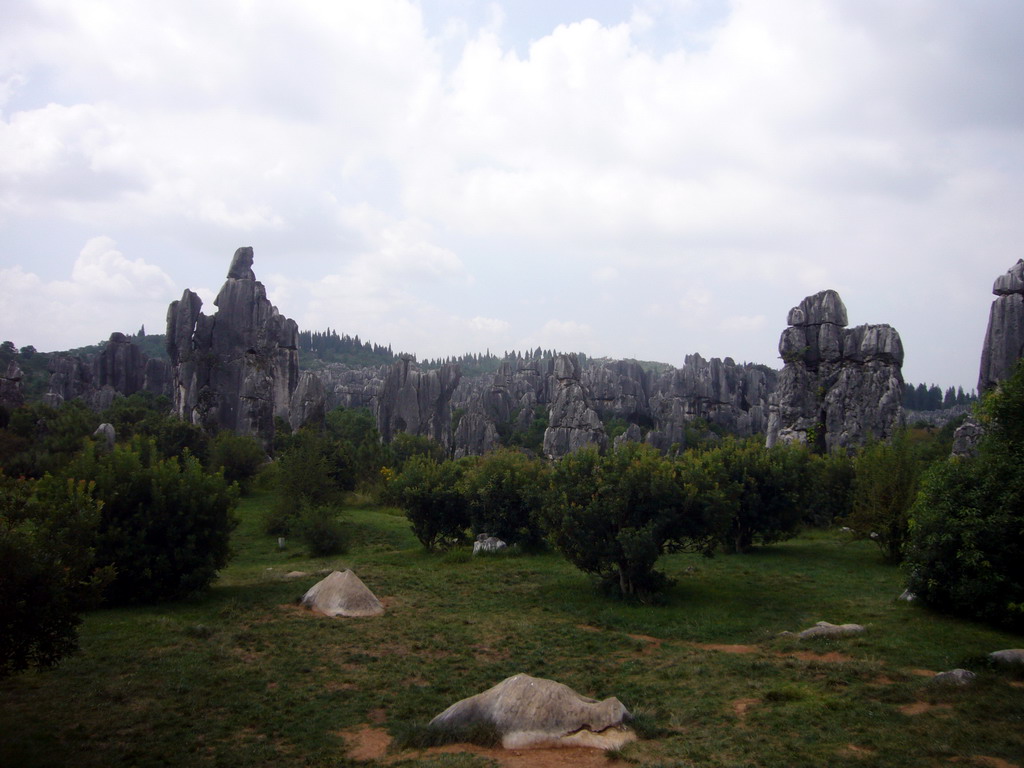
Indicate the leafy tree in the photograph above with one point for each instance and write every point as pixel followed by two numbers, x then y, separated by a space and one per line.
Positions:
pixel 165 523
pixel 431 493
pixel 306 478
pixel 886 483
pixel 614 515
pixel 322 531
pixel 966 549
pixel 764 488
pixel 505 491
pixel 829 492
pixel 238 457
pixel 40 439
pixel 47 572
pixel 404 446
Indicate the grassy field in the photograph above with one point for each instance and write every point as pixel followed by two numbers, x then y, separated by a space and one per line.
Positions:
pixel 242 677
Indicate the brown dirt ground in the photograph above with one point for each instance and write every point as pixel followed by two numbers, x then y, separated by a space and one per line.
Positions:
pixel 368 743
pixel 920 707
pixel 985 761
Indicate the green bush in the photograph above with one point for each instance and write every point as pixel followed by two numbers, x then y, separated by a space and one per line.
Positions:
pixel 239 457
pixel 304 479
pixel 47 572
pixel 887 476
pixel 323 533
pixel 614 515
pixel 432 495
pixel 505 491
pixel 966 548
pixel 762 490
pixel 165 523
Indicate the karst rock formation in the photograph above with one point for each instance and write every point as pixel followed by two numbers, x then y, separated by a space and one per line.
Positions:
pixel 120 368
pixel 839 386
pixel 238 368
pixel 1004 337
pixel 417 402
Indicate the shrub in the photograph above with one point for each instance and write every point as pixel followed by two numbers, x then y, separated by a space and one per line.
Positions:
pixel 47 576
pixel 613 516
pixel 884 488
pixel 966 549
pixel 165 523
pixel 304 479
pixel 762 490
pixel 431 493
pixel 239 457
pixel 505 491
pixel 322 532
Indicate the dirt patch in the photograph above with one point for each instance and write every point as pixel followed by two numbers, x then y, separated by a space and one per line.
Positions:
pixel 985 761
pixel 883 680
pixel 922 672
pixel 832 657
pixel 920 707
pixel 366 742
pixel 740 706
pixel 377 716
pixel 727 648
pixel 852 750
pixel 588 628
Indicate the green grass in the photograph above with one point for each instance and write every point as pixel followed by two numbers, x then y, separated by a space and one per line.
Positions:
pixel 242 677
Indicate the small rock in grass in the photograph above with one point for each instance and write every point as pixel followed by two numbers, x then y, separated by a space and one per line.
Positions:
pixel 824 629
pixel 1008 656
pixel 908 596
pixel 954 677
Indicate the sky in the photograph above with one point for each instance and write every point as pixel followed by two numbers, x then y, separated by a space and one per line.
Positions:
pixel 632 180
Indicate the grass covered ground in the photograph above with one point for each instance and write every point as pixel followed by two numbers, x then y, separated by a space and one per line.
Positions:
pixel 242 677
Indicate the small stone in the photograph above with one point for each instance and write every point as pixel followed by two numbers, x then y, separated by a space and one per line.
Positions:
pixel 1008 656
pixel 954 677
pixel 825 629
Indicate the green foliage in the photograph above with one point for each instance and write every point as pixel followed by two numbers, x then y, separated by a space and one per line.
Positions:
pixel 305 477
pixel 966 549
pixel 431 493
pixel 39 439
pixel 47 576
pixel 887 477
pixel 405 446
pixel 532 439
pixel 504 491
pixel 763 490
pixel 828 495
pixel 165 523
pixel 238 457
pixel 358 446
pixel 323 533
pixel 614 515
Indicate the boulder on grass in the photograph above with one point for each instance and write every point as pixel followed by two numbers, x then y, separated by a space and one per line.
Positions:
pixel 1008 656
pixel 824 629
pixel 487 543
pixel 342 594
pixel 954 677
pixel 534 712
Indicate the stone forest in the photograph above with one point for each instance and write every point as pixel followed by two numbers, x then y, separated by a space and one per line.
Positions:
pixel 225 553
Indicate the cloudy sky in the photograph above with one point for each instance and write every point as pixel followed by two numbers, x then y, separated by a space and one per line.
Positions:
pixel 643 179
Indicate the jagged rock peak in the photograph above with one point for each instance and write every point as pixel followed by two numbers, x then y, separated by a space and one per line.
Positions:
pixel 241 265
pixel 1011 282
pixel 823 307
pixel 1004 337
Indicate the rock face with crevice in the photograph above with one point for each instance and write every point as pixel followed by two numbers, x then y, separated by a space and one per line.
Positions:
pixel 840 386
pixel 120 368
pixel 573 421
pixel 11 395
pixel 236 369
pixel 1004 337
pixel 417 402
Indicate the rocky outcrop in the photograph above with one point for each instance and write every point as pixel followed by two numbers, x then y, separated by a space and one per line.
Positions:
pixel 1004 337
pixel 238 368
pixel 350 387
pixel 573 422
pixel 11 395
pixel 342 593
pixel 732 397
pixel 308 403
pixel 535 712
pixel 839 386
pixel 417 402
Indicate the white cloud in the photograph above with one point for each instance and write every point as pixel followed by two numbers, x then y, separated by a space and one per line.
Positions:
pixel 489 325
pixel 106 292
